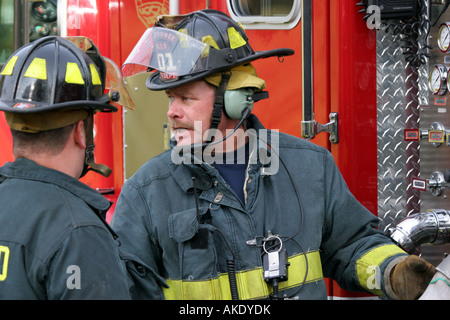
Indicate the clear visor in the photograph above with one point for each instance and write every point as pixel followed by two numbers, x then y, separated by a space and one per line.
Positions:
pixel 171 52
pixel 115 83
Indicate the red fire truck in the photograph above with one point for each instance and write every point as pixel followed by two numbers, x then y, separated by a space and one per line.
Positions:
pixel 368 81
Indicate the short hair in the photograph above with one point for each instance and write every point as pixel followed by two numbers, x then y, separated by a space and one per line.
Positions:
pixel 51 142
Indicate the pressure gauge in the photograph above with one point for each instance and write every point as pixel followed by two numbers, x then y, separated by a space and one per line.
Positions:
pixel 444 37
pixel 437 80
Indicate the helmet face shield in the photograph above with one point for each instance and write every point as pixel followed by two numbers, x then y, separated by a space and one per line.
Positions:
pixel 173 58
pixel 174 54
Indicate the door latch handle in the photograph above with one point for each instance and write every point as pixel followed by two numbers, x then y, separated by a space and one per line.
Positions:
pixel 312 128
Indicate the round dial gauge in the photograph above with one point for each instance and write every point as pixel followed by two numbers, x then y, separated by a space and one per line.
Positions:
pixel 437 80
pixel 444 37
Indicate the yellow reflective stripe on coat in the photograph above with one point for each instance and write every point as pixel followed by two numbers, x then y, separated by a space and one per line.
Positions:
pixel 367 267
pixel 251 284
pixel 4 256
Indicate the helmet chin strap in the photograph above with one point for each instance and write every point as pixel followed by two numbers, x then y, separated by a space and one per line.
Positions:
pixel 89 159
pixel 219 103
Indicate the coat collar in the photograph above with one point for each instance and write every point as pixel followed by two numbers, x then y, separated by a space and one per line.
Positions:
pixel 26 169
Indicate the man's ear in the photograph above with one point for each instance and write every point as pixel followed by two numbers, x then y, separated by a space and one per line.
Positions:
pixel 80 134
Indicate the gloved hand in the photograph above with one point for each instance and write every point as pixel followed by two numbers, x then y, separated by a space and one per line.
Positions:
pixel 411 276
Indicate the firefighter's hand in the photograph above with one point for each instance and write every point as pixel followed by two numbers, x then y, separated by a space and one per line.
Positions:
pixel 411 276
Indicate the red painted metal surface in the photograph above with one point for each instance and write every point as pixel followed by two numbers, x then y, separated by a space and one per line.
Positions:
pixel 353 96
pixel 5 141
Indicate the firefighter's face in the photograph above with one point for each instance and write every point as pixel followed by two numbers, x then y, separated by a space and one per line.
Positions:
pixel 190 110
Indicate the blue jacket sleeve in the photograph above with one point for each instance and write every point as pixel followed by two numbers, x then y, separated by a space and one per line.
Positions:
pixel 131 221
pixel 354 252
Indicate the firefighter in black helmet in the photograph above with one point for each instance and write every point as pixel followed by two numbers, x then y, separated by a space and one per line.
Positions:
pixel 54 241
pixel 266 215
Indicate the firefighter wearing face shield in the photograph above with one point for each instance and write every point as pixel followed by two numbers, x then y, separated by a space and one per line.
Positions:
pixel 217 220
pixel 54 241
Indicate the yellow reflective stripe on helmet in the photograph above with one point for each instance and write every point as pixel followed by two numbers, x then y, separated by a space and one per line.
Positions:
pixel 73 74
pixel 236 39
pixel 37 69
pixel 95 77
pixel 9 67
pixel 251 284
pixel 209 40
pixel 367 267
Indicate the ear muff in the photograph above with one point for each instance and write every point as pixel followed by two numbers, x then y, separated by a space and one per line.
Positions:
pixel 236 101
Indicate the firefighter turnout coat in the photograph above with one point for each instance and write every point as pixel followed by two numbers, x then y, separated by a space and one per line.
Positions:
pixel 52 243
pixel 185 230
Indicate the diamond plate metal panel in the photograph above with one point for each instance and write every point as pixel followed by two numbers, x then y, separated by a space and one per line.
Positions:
pixel 397 108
